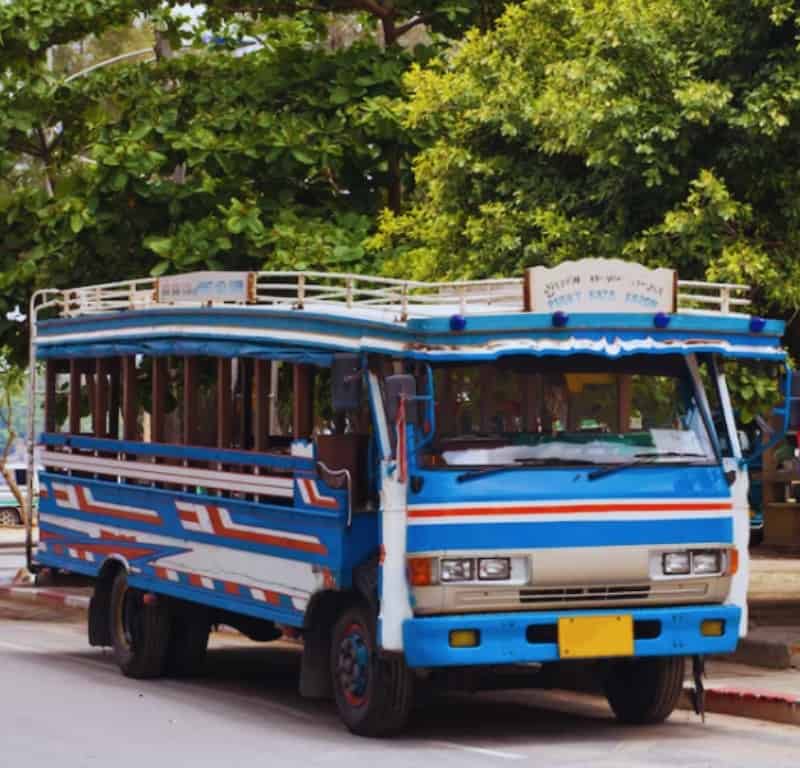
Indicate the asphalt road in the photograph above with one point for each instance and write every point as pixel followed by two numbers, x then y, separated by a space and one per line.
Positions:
pixel 64 704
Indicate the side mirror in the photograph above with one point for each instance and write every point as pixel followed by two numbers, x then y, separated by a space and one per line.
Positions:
pixel 744 442
pixel 397 386
pixel 346 381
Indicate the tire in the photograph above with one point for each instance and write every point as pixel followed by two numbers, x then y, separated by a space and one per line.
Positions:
pixel 374 695
pixel 188 642
pixel 139 631
pixel 9 517
pixel 644 691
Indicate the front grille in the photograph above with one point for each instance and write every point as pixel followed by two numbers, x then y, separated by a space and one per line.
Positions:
pixel 591 594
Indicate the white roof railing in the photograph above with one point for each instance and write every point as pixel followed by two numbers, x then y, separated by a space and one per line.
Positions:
pixel 400 299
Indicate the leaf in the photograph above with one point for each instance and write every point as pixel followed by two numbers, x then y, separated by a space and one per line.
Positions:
pixel 159 269
pixel 160 245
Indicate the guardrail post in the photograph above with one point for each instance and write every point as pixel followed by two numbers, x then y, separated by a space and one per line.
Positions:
pixel 301 291
pixel 725 299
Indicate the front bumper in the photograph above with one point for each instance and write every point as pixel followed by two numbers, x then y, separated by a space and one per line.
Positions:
pixel 514 638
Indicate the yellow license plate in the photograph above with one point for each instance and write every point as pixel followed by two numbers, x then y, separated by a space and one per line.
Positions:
pixel 584 637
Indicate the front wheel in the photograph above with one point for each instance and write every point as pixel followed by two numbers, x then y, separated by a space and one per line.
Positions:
pixel 139 629
pixel 373 694
pixel 645 690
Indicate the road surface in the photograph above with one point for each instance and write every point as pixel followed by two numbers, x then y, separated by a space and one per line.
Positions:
pixel 64 704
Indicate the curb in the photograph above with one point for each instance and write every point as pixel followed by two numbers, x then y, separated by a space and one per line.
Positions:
pixel 757 705
pixel 50 596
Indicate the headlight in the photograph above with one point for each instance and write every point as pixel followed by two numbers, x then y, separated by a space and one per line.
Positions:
pixel 457 570
pixel 708 562
pixel 494 568
pixel 676 563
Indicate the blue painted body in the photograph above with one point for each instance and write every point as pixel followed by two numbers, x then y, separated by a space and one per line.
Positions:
pixel 264 333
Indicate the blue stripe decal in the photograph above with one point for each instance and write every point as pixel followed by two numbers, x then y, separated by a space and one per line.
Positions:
pixel 552 535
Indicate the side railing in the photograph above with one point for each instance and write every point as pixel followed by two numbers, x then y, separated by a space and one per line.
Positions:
pixel 399 299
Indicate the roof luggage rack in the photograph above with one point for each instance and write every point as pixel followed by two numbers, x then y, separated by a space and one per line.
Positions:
pixel 389 298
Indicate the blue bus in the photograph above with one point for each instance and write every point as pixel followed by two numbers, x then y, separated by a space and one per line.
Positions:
pixel 414 478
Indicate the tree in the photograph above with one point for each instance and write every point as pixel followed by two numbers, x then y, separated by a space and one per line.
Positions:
pixel 663 131
pixel 203 158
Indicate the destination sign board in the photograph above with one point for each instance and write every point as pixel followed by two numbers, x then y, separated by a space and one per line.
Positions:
pixel 599 285
pixel 206 287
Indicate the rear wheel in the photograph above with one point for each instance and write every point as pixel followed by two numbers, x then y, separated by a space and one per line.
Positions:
pixel 139 624
pixel 188 641
pixel 373 694
pixel 644 690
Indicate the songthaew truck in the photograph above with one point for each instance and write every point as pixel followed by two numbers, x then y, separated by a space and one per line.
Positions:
pixel 416 479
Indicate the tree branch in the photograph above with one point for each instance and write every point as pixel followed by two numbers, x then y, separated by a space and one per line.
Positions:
pixel 416 21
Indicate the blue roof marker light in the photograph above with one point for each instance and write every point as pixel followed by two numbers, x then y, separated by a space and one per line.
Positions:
pixel 757 324
pixel 560 319
pixel 458 322
pixel 661 319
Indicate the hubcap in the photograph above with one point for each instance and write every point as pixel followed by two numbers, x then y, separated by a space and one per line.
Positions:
pixel 352 667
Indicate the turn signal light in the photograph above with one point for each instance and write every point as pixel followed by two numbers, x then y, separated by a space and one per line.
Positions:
pixel 420 571
pixel 712 628
pixel 464 638
pixel 733 561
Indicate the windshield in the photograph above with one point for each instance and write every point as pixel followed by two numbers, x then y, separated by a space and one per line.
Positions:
pixel 576 410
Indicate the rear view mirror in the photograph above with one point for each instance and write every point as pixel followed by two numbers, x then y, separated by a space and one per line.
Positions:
pixel 397 386
pixel 346 382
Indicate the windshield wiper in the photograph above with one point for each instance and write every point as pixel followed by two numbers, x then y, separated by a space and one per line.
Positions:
pixel 473 474
pixel 642 458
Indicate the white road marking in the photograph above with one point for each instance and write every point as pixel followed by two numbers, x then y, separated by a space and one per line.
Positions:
pixel 479 750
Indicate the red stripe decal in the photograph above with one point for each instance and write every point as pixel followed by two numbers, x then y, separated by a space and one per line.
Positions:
pixel 569 509
pixel 86 506
pixel 188 516
pixel 231 588
pixel 219 528
pixel 195 580
pixel 314 496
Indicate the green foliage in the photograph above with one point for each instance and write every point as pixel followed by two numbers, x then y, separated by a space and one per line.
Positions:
pixel 660 131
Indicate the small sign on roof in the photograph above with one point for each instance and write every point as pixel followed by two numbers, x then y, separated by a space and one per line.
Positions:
pixel 600 285
pixel 204 287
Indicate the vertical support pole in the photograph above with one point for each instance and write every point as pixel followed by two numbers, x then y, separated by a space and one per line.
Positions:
pixel 157 427
pixel 303 402
pixel 114 398
pixel 50 396
pixel 190 412
pixel 246 415
pixel 261 384
pixel 100 404
pixel 224 403
pixel 74 397
pixel 130 409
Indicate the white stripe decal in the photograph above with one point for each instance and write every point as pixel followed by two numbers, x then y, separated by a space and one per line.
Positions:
pixel 611 347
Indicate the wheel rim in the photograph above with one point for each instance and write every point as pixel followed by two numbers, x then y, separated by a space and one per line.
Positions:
pixel 352 668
